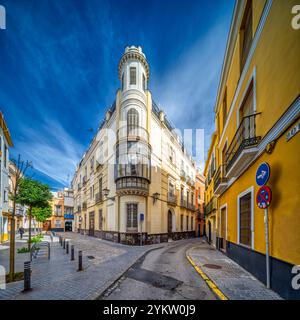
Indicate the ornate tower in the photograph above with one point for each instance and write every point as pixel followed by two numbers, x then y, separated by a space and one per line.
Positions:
pixel 132 174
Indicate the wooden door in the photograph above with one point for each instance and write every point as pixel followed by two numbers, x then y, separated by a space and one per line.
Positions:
pixel 223 229
pixel 91 224
pixel 169 223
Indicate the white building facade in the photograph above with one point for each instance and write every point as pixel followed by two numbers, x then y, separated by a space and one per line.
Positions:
pixel 136 183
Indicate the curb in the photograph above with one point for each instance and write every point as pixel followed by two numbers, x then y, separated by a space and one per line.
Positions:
pixel 214 288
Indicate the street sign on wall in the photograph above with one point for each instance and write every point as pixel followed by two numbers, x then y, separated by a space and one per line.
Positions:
pixel 262 174
pixel 142 217
pixel 264 197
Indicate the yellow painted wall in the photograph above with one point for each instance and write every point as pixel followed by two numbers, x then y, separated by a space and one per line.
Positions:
pixel 285 207
pixel 277 62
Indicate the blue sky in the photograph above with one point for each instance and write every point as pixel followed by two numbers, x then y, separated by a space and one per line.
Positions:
pixel 58 69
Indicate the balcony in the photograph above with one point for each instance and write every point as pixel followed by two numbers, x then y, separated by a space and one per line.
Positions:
pixel 182 174
pixel 211 206
pixel 133 168
pixel 191 206
pixel 98 197
pixel 186 204
pixel 243 147
pixel 220 180
pixel 133 186
pixel 200 215
pixel 172 199
pixel 133 133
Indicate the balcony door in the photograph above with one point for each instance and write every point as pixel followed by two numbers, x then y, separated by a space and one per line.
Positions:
pixel 132 217
pixel 246 110
pixel 170 222
pixel 91 224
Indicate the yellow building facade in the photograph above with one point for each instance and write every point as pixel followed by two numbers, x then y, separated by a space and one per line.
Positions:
pixel 257 120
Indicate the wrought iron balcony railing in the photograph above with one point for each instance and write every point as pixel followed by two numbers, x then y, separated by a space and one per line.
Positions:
pixel 211 206
pixel 138 184
pixel 220 177
pixel 134 132
pixel 244 137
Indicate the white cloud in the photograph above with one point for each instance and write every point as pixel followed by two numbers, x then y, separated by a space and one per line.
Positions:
pixel 52 151
pixel 188 90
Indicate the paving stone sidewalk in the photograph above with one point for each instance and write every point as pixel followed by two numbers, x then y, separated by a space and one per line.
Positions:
pixel 234 281
pixel 58 279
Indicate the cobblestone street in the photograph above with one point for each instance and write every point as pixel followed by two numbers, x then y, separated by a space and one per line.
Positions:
pixel 104 262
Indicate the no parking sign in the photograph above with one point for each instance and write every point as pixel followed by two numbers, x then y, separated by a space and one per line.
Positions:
pixel 264 197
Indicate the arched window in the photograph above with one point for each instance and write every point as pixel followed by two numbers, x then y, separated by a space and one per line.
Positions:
pixel 132 120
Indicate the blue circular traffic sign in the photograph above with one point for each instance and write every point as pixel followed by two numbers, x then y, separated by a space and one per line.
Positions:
pixel 262 174
pixel 264 197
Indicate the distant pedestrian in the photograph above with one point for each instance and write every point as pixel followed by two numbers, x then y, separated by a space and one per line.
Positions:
pixel 21 231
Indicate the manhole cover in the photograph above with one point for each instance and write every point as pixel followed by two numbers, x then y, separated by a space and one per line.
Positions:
pixel 91 257
pixel 212 266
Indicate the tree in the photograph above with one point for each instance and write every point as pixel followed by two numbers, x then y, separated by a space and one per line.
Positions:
pixel 33 194
pixel 18 170
pixel 42 214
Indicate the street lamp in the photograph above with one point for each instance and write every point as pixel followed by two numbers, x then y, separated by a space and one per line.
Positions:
pixel 106 193
pixel 155 196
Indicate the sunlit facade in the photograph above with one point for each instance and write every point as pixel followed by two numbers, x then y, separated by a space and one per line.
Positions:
pixel 135 184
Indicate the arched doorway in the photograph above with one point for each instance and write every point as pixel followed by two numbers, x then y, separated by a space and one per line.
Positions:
pixel 170 223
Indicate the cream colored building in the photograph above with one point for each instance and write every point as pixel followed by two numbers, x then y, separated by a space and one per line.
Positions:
pixel 136 177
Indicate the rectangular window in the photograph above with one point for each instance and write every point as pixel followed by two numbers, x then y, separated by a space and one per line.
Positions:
pixel 122 84
pixel 246 33
pixel 132 75
pixel 92 161
pixel 187 223
pixel 192 223
pixel 100 187
pixel 245 219
pixel 132 222
pixel 171 189
pixel 181 222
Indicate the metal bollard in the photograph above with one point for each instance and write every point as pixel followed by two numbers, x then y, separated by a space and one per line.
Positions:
pixel 72 253
pixel 80 261
pixel 27 275
pixel 67 249
pixel 64 244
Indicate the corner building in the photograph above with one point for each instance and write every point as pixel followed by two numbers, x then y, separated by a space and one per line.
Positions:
pixel 136 183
